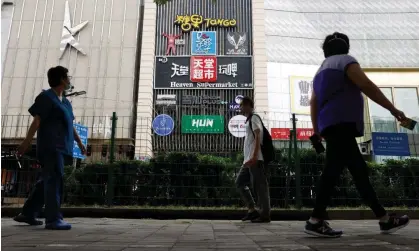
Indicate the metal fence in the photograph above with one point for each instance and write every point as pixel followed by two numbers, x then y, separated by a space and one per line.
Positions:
pixel 197 176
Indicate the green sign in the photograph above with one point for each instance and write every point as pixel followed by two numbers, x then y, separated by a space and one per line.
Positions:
pixel 202 124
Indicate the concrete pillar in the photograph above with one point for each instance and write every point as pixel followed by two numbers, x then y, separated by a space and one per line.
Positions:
pixel 143 144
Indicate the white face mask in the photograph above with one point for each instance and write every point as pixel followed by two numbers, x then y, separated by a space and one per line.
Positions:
pixel 69 87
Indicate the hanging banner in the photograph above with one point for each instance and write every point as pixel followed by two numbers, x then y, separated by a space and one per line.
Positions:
pixel 177 72
pixel 284 133
pixel 300 89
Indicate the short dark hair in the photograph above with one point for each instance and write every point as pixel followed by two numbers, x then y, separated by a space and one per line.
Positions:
pixel 56 74
pixel 335 44
pixel 248 101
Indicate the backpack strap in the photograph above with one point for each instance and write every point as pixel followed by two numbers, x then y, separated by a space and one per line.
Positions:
pixel 249 118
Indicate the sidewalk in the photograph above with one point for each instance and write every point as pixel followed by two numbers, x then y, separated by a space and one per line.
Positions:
pixel 199 235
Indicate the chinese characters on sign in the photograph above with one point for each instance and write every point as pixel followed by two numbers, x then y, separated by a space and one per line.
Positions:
pixel 236 43
pixel 82 131
pixel 204 43
pixel 203 69
pixel 284 133
pixel 390 144
pixel 187 23
pixel 300 88
pixel 191 100
pixel 204 72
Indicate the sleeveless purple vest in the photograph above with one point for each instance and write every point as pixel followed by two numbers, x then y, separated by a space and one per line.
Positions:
pixel 338 99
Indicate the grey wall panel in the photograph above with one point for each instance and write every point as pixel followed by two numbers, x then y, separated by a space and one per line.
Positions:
pixel 106 72
pixel 382 33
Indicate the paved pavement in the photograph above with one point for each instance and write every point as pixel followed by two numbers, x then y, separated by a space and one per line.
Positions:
pixel 200 235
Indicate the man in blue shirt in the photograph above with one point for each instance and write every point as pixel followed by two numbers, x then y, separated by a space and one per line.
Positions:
pixel 53 122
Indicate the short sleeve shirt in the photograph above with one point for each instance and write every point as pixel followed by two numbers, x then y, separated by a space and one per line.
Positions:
pixel 249 140
pixel 55 132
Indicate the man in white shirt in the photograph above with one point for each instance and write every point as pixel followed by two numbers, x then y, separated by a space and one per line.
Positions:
pixel 253 171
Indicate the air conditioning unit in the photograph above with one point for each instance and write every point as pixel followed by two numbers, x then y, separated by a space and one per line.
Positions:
pixel 364 148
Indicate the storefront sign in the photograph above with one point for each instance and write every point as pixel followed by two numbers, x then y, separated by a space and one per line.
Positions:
pixel 202 124
pixel 187 23
pixel 181 73
pixel 284 133
pixel 237 126
pixel 390 144
pixel 204 43
pixel 191 100
pixel 236 43
pixel 166 100
pixel 171 43
pixel 301 88
pixel 235 105
pixel 82 131
pixel 203 69
pixel 163 125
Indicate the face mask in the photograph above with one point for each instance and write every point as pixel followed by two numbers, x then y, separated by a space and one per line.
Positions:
pixel 69 87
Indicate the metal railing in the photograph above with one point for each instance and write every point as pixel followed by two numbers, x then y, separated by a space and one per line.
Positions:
pixel 199 176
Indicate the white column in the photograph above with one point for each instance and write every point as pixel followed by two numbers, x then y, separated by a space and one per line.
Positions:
pixel 143 145
pixel 260 58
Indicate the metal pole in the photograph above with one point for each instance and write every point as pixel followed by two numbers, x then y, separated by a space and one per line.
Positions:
pixel 288 174
pixel 297 164
pixel 110 187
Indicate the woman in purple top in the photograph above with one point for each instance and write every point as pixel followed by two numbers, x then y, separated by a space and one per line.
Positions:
pixel 337 114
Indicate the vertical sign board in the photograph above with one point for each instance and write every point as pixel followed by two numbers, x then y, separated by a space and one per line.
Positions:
pixel 82 131
pixel 390 144
pixel 203 124
pixel 300 89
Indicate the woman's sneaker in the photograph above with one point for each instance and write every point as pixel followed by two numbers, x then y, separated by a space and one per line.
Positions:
pixel 321 229
pixel 394 224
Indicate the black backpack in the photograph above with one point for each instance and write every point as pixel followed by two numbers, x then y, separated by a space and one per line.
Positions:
pixel 267 147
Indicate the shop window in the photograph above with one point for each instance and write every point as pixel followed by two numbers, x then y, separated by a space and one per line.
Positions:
pixel 406 99
pixel 381 118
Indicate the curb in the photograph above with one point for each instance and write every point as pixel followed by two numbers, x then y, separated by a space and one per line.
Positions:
pixel 171 214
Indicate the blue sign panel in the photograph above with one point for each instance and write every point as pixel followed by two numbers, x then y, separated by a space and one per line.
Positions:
pixel 204 43
pixel 163 125
pixel 390 144
pixel 235 106
pixel 82 132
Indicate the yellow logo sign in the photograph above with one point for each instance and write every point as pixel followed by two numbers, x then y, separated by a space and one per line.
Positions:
pixel 187 23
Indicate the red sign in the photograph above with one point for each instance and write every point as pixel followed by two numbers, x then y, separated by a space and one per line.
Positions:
pixel 284 133
pixel 203 69
pixel 304 133
pixel 280 133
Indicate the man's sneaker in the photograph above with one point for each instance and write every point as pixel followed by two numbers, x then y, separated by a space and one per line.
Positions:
pixel 394 224
pixel 262 220
pixel 28 220
pixel 58 225
pixel 322 229
pixel 251 216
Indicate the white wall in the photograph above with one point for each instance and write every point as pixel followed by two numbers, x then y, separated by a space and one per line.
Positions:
pixel 279 94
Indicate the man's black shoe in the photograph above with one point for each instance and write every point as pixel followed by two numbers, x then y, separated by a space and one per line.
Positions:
pixel 262 220
pixel 394 224
pixel 322 229
pixel 28 220
pixel 251 216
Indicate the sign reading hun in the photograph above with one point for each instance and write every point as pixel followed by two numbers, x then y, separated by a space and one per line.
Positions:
pixel 203 69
